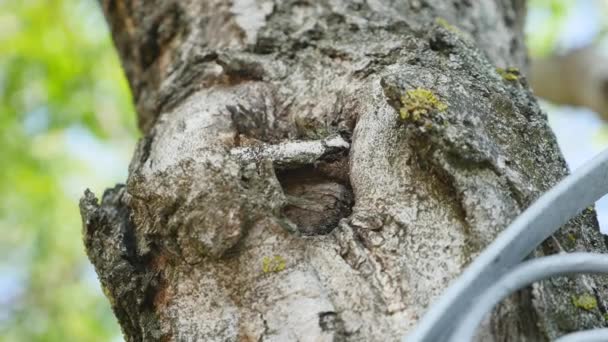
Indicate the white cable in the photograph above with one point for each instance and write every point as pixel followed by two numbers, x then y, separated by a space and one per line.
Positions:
pixel 530 229
pixel 524 275
pixel 596 335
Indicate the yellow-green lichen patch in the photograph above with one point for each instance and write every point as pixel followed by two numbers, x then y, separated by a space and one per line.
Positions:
pixel 509 74
pixel 108 294
pixel 419 102
pixel 571 237
pixel 446 25
pixel 585 301
pixel 606 316
pixel 273 264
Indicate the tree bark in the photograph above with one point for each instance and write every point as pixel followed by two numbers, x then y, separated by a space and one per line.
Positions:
pixel 321 170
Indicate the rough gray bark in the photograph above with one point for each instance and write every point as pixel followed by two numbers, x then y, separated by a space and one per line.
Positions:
pixel 277 195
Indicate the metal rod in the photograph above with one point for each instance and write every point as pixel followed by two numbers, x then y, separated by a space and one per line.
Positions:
pixel 522 276
pixel 595 335
pixel 530 229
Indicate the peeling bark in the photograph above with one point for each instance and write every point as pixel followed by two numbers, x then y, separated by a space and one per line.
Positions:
pixel 278 196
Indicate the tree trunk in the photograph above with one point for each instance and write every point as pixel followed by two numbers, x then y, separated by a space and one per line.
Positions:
pixel 321 170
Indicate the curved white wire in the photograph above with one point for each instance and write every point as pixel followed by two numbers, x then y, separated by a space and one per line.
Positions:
pixel 530 229
pixel 524 275
pixel 596 335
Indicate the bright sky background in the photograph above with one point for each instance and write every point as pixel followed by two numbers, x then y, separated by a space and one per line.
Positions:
pixel 581 134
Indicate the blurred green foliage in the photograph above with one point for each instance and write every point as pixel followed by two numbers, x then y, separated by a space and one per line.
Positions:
pixel 551 23
pixel 551 16
pixel 66 122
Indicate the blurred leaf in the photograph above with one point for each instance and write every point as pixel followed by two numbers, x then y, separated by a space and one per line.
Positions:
pixel 547 18
pixel 66 122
